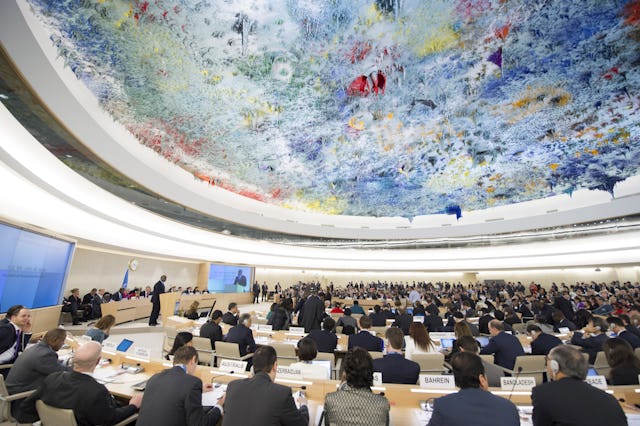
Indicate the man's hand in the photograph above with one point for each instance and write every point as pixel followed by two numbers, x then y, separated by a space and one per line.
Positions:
pixel 136 400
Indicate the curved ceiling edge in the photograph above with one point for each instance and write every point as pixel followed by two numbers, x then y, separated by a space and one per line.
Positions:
pixel 78 110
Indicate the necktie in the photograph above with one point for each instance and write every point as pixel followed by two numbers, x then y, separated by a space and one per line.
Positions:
pixel 18 339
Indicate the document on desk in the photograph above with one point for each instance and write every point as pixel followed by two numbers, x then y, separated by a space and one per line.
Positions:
pixel 106 375
pixel 423 416
pixel 209 399
pixel 633 419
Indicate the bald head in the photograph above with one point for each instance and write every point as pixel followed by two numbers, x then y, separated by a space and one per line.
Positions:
pixel 86 357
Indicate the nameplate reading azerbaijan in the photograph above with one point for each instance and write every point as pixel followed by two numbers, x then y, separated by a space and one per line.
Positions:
pixel 289 373
pixel 523 383
pixel 432 381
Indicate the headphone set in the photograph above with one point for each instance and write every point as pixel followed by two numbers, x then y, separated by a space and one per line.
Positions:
pixel 554 366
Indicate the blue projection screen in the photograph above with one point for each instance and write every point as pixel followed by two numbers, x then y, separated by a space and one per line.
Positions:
pixel 33 268
pixel 229 279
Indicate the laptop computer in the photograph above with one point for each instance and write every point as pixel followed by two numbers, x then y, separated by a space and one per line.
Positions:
pixel 484 341
pixel 446 343
pixel 324 363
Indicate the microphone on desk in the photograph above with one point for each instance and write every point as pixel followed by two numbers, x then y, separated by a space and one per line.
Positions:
pixel 518 371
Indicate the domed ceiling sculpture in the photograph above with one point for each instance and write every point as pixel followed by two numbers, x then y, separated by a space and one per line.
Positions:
pixel 378 108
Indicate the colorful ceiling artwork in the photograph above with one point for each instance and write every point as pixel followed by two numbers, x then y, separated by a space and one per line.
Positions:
pixel 376 107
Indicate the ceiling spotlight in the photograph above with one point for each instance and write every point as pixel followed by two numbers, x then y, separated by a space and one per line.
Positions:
pixel 226 232
pixel 597 269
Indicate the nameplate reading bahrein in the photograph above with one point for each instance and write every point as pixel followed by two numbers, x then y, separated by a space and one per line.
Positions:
pixel 228 365
pixel 433 381
pixel 523 383
pixel 284 372
pixel 598 381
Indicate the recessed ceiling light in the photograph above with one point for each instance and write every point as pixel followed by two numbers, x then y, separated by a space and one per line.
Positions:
pixel 3 96
pixel 68 155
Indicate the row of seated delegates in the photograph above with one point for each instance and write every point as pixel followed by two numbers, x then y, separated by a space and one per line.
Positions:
pixel 91 402
pixel 73 304
pixel 15 334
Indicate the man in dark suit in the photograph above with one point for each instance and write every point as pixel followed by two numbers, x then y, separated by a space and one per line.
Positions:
pixel 242 335
pixel 231 316
pixel 563 304
pixel 174 396
pixel 260 401
pixel 504 347
pixel 484 320
pixel 472 404
pixel 15 333
pixel 403 320
pixel 433 323
pixel 265 291
pixel 91 402
pixel 326 340
pixel 364 338
pixel 617 326
pixel 158 289
pixel 395 368
pixel 256 292
pixel 211 329
pixel 432 307
pixel 541 343
pixel 567 399
pixel 311 313
pixel 592 339
pixel 378 319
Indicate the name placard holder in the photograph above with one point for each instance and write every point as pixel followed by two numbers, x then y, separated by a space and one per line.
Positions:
pixel 142 353
pixel 439 381
pixel 598 381
pixel 377 378
pixel 288 373
pixel 229 365
pixel 109 347
pixel 265 327
pixel 523 383
pixel 296 330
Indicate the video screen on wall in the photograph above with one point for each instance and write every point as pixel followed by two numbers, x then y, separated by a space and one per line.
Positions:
pixel 229 278
pixel 33 268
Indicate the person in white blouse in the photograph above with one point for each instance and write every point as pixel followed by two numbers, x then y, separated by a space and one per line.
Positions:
pixel 307 352
pixel 418 341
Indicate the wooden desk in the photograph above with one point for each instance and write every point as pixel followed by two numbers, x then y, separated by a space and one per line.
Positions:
pixel 127 310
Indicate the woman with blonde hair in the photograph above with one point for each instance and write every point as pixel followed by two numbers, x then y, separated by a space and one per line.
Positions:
pixel 192 312
pixel 101 330
pixel 418 341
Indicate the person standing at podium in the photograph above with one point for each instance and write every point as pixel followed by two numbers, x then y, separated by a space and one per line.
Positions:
pixel 158 289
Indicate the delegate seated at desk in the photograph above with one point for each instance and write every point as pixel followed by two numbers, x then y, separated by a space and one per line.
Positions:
pixel 174 396
pixel 79 391
pixel 242 335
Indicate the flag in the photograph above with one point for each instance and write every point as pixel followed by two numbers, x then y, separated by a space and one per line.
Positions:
pixel 125 280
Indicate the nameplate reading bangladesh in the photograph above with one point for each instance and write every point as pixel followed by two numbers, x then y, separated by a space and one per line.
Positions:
pixel 523 383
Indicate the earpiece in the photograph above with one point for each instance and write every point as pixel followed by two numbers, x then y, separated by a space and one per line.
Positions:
pixel 555 367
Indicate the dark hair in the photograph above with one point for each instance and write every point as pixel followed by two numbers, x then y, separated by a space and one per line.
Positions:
pixel 14 311
pixel 243 319
pixel 467 368
pixel 582 318
pixel 185 354
pixel 347 312
pixel 232 305
pixel 365 321
pixel 355 302
pixel 307 349
pixel 54 335
pixel 468 343
pixel 395 336
pixel 328 324
pixel 216 314
pixel 420 335
pixel 263 359
pixel 557 315
pixel 600 323
pixel 357 368
pixel 181 340
pixel 625 318
pixel 376 308
pixel 499 315
pixel 616 321
pixel 619 353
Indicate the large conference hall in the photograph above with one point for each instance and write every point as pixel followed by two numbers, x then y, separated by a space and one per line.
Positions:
pixel 477 157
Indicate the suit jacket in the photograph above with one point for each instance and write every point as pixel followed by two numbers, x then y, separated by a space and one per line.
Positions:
pixel 633 340
pixel 591 345
pixel 395 368
pixel 8 338
pixel 571 401
pixel 351 406
pixel 505 348
pixel 243 336
pixel 564 306
pixel 403 321
pixel 624 375
pixel 433 323
pixel 158 289
pixel 378 320
pixel 212 331
pixel 32 367
pixel 326 341
pixel 174 398
pixel 483 323
pixel 259 401
pixel 544 343
pixel 311 314
pixel 474 406
pixel 230 318
pixel 366 340
pixel 90 401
